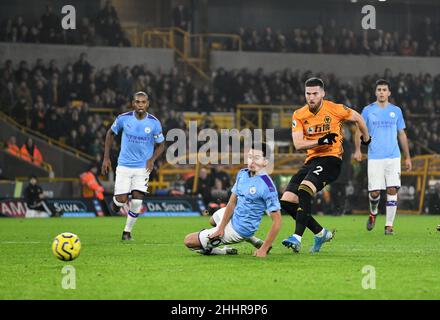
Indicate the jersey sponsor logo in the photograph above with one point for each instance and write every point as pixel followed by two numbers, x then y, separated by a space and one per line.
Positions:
pixel 147 130
pixel 392 114
pixel 310 130
pixel 252 190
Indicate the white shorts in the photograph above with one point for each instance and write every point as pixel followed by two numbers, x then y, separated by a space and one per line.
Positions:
pixel 383 173
pixel 129 179
pixel 230 235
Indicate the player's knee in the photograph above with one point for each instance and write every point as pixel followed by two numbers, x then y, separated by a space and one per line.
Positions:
pixel 290 197
pixel 374 194
pixel 392 191
pixel 212 222
pixel 191 241
pixel 120 200
pixel 136 205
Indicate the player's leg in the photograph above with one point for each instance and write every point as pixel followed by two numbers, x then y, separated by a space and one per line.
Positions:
pixel 122 189
pixel 376 183
pixel 392 177
pixel 138 188
pixel 200 242
pixel 323 172
pixel 289 204
pixel 135 208
pixel 289 200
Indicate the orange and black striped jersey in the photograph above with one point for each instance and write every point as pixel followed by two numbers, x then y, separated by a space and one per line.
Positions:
pixel 314 126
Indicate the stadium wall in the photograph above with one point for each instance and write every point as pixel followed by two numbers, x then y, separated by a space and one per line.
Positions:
pixel 230 15
pixel 347 67
pixel 99 57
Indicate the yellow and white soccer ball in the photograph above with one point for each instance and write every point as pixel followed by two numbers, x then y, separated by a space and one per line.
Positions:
pixel 66 246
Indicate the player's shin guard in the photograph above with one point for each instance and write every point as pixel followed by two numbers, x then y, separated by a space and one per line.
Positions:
pixel 289 207
pixel 374 203
pixel 304 211
pixel 391 209
pixel 133 213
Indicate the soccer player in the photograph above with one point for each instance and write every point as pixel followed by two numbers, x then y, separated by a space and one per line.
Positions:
pixel 252 194
pixel 316 127
pixel 140 132
pixel 385 123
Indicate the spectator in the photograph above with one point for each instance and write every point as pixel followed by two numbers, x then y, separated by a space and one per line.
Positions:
pixel 29 152
pixel 182 18
pixel 33 195
pixel 82 66
pixel 91 187
pixel 203 185
pixel 11 146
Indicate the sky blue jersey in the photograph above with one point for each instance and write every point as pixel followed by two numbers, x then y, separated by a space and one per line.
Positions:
pixel 383 125
pixel 255 195
pixel 138 138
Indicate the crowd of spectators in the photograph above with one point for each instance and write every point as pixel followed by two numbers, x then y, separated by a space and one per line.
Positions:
pixel 104 29
pixel 56 100
pixel 334 39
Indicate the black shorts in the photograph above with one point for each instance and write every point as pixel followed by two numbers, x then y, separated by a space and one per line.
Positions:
pixel 320 171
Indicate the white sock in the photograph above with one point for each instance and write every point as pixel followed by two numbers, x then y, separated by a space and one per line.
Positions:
pixel 391 209
pixel 374 203
pixel 254 240
pixel 131 220
pixel 320 234
pixel 298 237
pixel 218 250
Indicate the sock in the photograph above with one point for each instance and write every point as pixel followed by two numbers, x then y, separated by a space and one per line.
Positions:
pixel 391 209
pixel 298 237
pixel 218 250
pixel 254 240
pixel 304 210
pixel 374 203
pixel 131 220
pixel 289 207
pixel 314 226
pixel 320 233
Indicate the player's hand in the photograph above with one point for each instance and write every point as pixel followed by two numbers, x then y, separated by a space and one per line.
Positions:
pixel 106 164
pixel 365 142
pixel 219 233
pixel 150 165
pixel 357 155
pixel 408 164
pixel 260 253
pixel 328 139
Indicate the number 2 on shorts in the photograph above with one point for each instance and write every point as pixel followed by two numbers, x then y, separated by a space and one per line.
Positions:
pixel 318 170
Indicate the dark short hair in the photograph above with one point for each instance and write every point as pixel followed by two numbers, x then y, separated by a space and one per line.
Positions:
pixel 382 82
pixel 141 93
pixel 315 82
pixel 263 147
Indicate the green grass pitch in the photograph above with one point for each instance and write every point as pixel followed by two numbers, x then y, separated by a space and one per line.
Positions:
pixel 156 265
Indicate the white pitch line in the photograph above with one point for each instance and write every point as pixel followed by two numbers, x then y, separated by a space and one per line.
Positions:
pixel 20 242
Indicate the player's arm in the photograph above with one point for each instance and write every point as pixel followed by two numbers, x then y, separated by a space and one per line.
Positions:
pixel 300 143
pixel 359 120
pixel 273 232
pixel 357 155
pixel 230 207
pixel 106 163
pixel 158 150
pixel 403 139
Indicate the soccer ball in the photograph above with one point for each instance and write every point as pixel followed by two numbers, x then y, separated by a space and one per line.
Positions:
pixel 66 246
